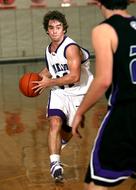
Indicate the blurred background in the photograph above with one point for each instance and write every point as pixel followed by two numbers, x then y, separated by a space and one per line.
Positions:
pixel 21 31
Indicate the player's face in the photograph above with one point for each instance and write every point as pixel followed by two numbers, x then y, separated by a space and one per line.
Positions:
pixel 55 30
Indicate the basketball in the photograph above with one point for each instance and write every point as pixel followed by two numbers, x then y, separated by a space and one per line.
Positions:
pixel 26 85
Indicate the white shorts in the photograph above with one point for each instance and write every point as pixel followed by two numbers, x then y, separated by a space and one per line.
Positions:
pixel 64 106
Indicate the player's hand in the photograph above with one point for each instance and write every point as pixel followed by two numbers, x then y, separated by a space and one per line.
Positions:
pixel 77 122
pixel 41 85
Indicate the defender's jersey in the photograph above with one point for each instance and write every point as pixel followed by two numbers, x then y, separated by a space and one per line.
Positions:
pixel 56 63
pixel 124 59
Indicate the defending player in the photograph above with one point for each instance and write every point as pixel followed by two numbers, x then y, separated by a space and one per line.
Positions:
pixel 113 157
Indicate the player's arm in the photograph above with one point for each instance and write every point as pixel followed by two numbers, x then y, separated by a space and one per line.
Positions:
pixel 74 65
pixel 103 48
pixel 73 56
pixel 102 44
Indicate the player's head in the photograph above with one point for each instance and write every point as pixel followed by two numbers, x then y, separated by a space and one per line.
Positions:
pixel 114 4
pixel 55 15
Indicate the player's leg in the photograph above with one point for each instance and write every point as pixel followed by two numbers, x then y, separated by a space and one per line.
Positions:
pixel 66 132
pixel 54 145
pixel 54 135
pixel 56 115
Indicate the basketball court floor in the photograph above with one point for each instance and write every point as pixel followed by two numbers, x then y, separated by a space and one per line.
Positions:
pixel 24 161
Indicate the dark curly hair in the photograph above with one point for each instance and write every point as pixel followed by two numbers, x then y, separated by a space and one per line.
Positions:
pixel 114 4
pixel 54 15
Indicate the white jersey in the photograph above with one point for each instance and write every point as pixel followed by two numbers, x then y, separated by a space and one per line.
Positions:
pixel 58 67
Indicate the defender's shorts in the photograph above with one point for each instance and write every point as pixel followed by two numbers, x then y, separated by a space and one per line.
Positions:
pixel 113 157
pixel 64 106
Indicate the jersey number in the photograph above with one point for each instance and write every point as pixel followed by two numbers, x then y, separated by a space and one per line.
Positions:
pixel 132 66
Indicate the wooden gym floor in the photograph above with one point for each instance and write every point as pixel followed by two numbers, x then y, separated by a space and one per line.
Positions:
pixel 24 161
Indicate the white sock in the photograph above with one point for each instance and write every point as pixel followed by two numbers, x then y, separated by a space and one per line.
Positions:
pixel 54 157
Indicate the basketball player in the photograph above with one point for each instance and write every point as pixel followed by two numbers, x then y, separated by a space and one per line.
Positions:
pixel 113 157
pixel 67 73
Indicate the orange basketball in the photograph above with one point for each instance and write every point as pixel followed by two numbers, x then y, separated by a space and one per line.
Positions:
pixel 25 84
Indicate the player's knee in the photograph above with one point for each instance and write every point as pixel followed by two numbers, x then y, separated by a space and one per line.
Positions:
pixel 55 124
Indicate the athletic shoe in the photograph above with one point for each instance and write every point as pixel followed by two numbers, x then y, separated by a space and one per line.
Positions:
pixel 56 171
